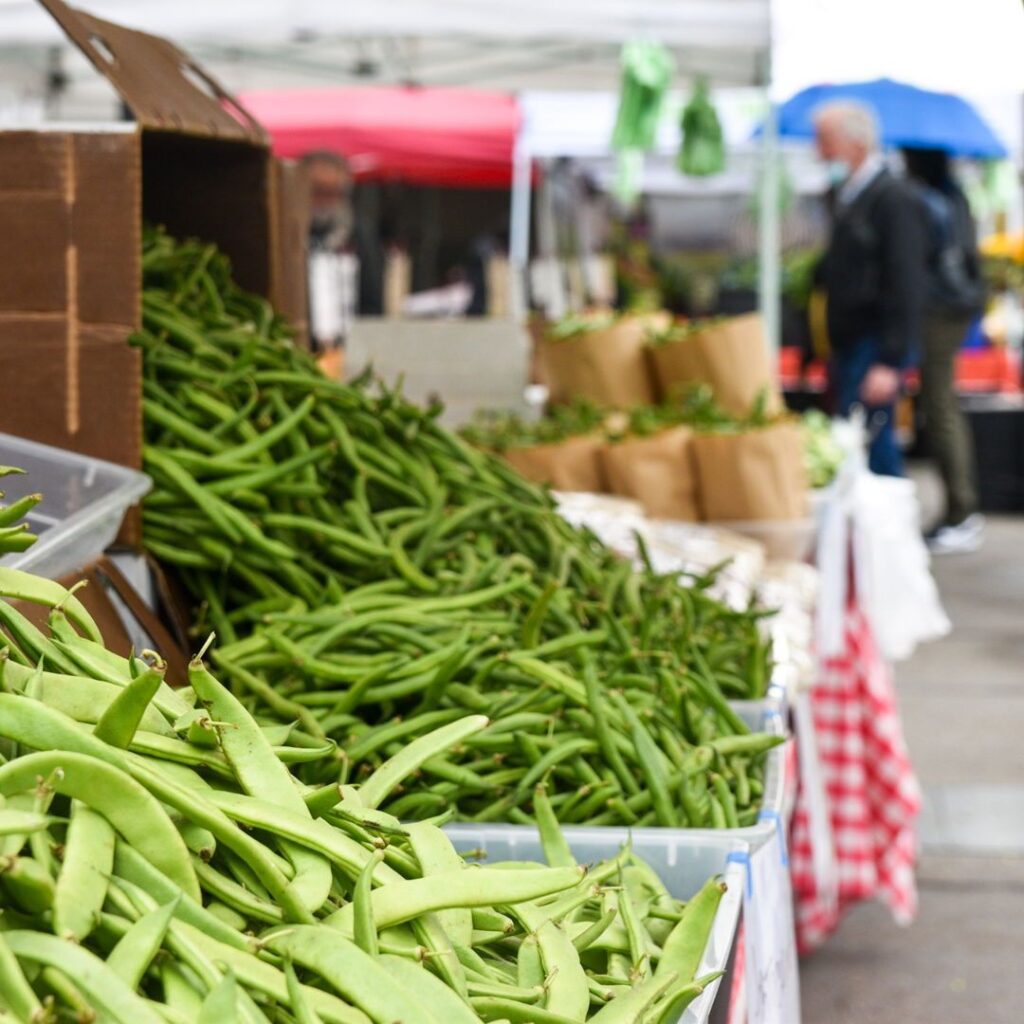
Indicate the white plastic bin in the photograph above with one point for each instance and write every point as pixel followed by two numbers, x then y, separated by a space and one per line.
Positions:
pixel 84 501
pixel 684 861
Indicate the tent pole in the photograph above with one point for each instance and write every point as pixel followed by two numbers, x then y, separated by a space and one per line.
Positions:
pixel 519 230
pixel 770 230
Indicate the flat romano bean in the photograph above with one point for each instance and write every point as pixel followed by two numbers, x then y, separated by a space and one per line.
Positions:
pixel 15 992
pixel 101 985
pixel 136 949
pixel 23 586
pixel 364 930
pixel 352 973
pixel 393 771
pixel 123 716
pixel 259 771
pixel 116 796
pixel 436 855
pixel 397 902
pixel 82 883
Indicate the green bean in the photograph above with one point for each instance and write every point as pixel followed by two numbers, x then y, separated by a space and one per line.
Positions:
pixel 86 971
pixel 204 812
pixel 556 850
pixel 29 884
pixel 651 761
pixel 684 948
pixel 23 586
pixel 265 978
pixel 351 972
pixel 630 1006
pixel 259 770
pixel 221 1004
pixel 397 902
pixel 136 949
pixel 15 992
pixel 365 927
pixel 297 1001
pixel 82 883
pixel 119 722
pixel 121 800
pixel 393 771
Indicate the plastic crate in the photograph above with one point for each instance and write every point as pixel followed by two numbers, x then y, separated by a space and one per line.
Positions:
pixel 84 501
pixel 684 861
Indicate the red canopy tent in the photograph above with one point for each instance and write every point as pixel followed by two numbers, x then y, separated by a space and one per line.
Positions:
pixel 454 137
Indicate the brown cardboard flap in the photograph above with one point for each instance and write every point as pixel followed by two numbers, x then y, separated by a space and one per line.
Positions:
pixel 89 403
pixel 32 246
pixel 165 88
pixel 105 228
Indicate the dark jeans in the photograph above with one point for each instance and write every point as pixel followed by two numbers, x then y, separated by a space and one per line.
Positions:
pixel 948 433
pixel 849 368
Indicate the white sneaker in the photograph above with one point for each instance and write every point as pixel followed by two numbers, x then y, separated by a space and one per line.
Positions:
pixel 963 537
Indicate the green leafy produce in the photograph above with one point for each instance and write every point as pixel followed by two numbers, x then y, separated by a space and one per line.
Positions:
pixel 573 325
pixel 646 72
pixel 680 330
pixel 160 862
pixel 371 576
pixel 703 149
pixel 823 453
pixel 498 431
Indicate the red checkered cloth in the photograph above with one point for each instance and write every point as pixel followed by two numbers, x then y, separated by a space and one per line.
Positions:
pixel 871 791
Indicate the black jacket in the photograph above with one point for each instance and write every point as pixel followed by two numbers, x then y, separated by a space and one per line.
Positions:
pixel 874 270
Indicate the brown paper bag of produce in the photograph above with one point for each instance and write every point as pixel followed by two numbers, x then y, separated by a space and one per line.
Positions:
pixel 657 471
pixel 607 366
pixel 758 474
pixel 570 465
pixel 731 356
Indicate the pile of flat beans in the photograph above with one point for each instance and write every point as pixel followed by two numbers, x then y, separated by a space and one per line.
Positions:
pixel 372 577
pixel 160 863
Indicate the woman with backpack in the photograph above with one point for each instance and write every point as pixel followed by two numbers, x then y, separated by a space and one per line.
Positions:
pixel 956 295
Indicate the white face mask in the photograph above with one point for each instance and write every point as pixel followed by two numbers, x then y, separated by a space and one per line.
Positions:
pixel 838 171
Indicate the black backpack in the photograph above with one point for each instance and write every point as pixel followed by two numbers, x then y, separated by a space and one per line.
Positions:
pixel 954 281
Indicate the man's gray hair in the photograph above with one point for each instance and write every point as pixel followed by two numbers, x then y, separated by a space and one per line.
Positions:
pixel 854 121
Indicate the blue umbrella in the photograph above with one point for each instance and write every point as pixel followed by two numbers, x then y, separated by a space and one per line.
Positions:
pixel 908 116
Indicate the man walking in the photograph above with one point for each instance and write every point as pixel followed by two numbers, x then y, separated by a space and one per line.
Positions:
pixel 873 275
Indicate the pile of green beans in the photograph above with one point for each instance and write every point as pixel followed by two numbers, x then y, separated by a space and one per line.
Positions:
pixel 369 575
pixel 14 534
pixel 161 864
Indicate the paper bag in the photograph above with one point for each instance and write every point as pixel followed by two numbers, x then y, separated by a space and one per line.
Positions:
pixel 570 465
pixel 758 474
pixel 730 355
pixel 657 471
pixel 607 366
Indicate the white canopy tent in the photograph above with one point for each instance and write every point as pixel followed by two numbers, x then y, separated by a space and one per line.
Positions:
pixel 498 43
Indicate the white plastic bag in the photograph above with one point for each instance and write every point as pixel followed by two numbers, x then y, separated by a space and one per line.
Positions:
pixel 892 571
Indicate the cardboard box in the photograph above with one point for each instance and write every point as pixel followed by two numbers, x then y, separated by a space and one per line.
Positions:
pixel 72 203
